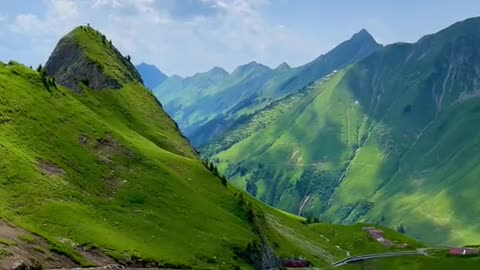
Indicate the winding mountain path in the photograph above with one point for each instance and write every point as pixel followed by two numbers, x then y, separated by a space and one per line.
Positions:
pixel 360 258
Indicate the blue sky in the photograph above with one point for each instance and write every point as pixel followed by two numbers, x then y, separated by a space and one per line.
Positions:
pixel 186 36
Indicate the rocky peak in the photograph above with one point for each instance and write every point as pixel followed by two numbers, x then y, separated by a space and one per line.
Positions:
pixel 283 66
pixel 84 57
pixel 218 71
pixel 252 67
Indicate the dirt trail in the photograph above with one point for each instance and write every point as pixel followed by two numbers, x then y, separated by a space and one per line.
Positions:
pixel 19 247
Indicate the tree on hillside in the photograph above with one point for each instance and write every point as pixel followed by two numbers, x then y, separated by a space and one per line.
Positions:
pixel 210 166
pixel 224 180
pixel 309 220
pixel 215 171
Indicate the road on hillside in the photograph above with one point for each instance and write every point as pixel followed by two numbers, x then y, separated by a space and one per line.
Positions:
pixel 113 267
pixel 360 258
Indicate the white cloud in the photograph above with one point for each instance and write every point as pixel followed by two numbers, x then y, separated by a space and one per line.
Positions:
pixel 27 23
pixel 231 33
pixel 65 9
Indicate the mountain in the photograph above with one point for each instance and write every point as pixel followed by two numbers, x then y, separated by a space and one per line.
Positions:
pixel 283 67
pixel 178 90
pixel 390 140
pixel 205 107
pixel 151 75
pixel 94 172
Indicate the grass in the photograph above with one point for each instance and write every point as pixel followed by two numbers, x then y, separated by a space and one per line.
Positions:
pixel 130 204
pixel 418 263
pixel 27 238
pixel 4 253
pixel 130 183
pixel 6 242
pixel 94 44
pixel 133 184
pixel 373 144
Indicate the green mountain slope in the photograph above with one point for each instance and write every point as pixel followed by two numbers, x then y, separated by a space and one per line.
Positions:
pixel 390 140
pixel 100 174
pixel 205 107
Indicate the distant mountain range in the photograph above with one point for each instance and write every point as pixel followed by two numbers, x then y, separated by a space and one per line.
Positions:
pixel 205 104
pixel 151 75
pixel 365 133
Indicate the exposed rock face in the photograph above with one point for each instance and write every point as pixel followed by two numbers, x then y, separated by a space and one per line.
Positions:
pixel 69 65
pixel 73 62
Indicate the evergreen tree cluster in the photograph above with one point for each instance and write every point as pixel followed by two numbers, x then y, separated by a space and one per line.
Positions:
pixel 214 170
pixel 98 33
pixel 311 220
pixel 46 80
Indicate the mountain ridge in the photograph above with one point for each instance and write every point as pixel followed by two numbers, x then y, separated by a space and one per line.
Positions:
pixel 362 144
pixel 151 75
pixel 100 68
pixel 249 88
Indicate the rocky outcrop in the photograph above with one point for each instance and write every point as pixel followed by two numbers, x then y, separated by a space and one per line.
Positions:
pixel 84 57
pixel 260 254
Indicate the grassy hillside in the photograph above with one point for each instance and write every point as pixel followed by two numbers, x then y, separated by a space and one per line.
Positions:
pixel 391 140
pixel 282 154
pixel 74 168
pixel 106 171
pixel 417 263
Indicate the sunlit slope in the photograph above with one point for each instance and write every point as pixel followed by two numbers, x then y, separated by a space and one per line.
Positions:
pixel 437 262
pixel 206 105
pixel 109 169
pixel 390 140
pixel 422 104
pixel 85 175
pixel 300 149
pixel 102 169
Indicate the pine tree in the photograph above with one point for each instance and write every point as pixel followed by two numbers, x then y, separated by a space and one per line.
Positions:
pixel 215 170
pixel 210 166
pixel 224 180
pixel 309 220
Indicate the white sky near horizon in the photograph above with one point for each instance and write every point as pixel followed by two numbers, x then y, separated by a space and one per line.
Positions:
pixel 187 36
